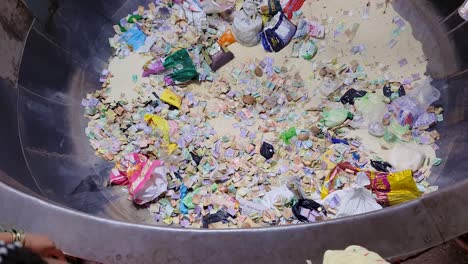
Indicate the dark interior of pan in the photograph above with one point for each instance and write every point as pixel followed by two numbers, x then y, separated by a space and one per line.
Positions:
pixel 52 52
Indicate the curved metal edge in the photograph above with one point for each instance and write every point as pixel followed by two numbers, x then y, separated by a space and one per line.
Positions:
pixel 417 225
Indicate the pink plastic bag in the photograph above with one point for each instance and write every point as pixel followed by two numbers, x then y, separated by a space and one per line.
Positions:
pixel 148 183
pixel 145 178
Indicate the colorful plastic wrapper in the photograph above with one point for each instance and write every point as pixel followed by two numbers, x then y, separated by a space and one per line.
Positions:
pixel 134 38
pixel 149 183
pixel 220 58
pixel 269 7
pixel 178 67
pixel 167 128
pixel 227 38
pixel 389 188
pixel 171 98
pixel 292 6
pixel 393 188
pixel 277 33
pixel 146 178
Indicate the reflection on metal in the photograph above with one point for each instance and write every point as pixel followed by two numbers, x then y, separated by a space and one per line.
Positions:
pixel 41 115
pixel 463 12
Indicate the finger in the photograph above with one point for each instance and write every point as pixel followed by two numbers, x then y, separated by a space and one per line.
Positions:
pixel 55 253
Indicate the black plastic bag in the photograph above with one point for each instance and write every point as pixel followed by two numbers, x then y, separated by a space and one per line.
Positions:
pixel 387 90
pixel 350 95
pixel 380 165
pixel 220 216
pixel 308 204
pixel 267 150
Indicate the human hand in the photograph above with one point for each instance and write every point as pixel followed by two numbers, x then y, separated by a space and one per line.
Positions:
pixel 43 246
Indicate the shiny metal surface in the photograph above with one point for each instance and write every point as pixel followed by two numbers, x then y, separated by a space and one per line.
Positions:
pixel 51 182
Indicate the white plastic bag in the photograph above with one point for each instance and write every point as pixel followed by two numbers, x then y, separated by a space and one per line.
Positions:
pixel 405 158
pixel 247 24
pixel 212 7
pixel 277 194
pixel 355 200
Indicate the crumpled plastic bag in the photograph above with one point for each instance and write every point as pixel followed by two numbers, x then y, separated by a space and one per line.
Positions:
pixel 307 210
pixel 247 24
pixel 334 117
pixel 352 255
pixel 215 7
pixel 355 200
pixel 406 109
pixel 372 106
pixel 402 158
pixel 277 194
pixel 277 33
pixel 145 178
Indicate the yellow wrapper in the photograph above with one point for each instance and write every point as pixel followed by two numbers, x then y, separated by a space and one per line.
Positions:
pixel 157 122
pixel 171 98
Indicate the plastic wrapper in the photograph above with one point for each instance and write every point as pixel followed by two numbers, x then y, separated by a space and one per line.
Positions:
pixel 220 58
pixel 167 128
pixel 215 7
pixel 134 38
pixel 287 135
pixel 178 67
pixel 269 7
pixel 389 188
pixel 355 200
pixel 171 98
pixel 394 188
pixel 145 178
pixel 148 184
pixel 227 38
pixel 406 109
pixel 307 210
pixel 277 33
pixel 334 117
pixel 247 24
pixel 291 7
